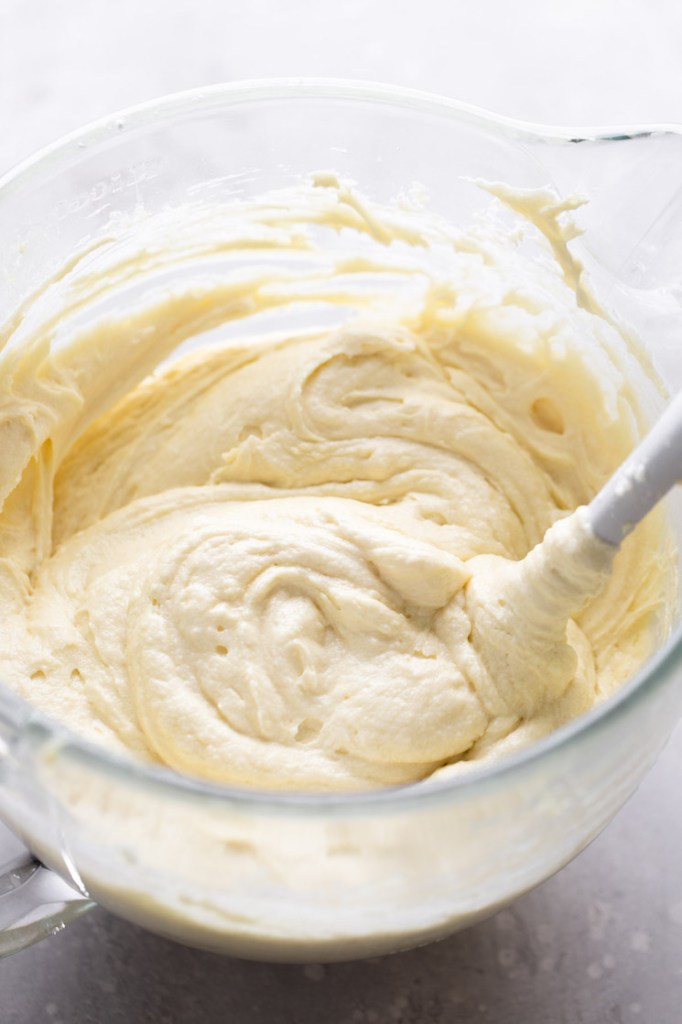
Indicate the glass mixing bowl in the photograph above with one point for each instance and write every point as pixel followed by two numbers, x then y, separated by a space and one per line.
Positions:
pixel 291 876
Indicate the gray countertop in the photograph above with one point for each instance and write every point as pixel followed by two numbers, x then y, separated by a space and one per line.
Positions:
pixel 602 941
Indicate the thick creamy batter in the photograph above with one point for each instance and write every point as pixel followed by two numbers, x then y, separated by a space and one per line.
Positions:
pixel 292 560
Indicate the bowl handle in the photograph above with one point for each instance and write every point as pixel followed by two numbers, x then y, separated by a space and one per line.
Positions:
pixel 34 901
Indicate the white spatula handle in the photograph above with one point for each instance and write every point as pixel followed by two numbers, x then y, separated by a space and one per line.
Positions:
pixel 653 468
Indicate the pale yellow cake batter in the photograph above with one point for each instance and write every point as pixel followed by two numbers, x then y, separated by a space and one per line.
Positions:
pixel 290 561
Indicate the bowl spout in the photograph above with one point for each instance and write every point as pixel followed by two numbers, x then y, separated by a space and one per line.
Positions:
pixel 633 178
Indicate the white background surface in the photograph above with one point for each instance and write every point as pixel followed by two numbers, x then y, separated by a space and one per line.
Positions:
pixel 602 941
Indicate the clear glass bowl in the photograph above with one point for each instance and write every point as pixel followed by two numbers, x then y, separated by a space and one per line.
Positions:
pixel 315 877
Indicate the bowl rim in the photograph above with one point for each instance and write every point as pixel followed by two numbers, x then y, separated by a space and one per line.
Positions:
pixel 248 90
pixel 32 728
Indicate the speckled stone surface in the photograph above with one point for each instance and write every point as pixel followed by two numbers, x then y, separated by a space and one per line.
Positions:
pixel 601 942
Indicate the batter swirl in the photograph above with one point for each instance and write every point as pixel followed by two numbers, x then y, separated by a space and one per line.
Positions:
pixel 262 562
